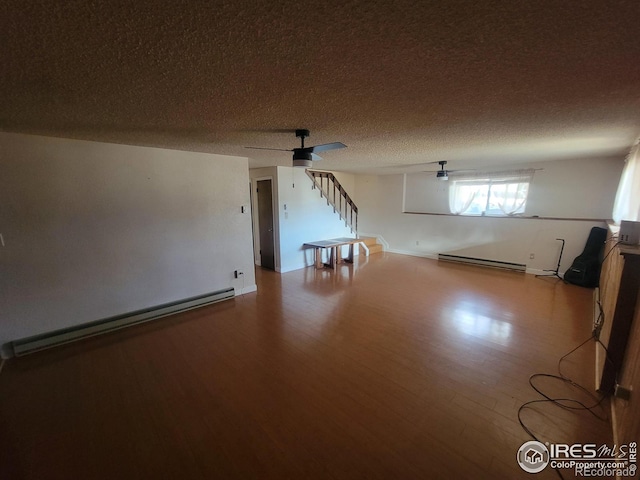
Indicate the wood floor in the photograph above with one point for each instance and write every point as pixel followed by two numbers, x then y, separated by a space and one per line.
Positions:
pixel 393 368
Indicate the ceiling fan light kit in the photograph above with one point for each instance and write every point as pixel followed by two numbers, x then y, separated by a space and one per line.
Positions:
pixel 302 159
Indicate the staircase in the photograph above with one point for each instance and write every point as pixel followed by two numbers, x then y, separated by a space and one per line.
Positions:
pixel 342 203
pixel 337 197
pixel 372 244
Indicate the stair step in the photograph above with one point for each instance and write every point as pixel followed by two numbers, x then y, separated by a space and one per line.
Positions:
pixel 377 248
pixel 372 244
pixel 369 241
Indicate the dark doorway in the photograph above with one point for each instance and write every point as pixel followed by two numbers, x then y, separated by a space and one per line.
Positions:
pixel 265 224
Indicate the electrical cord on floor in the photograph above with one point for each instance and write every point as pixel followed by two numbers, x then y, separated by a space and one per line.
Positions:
pixel 566 403
pixel 595 333
pixel 612 249
pixel 571 403
pixel 597 325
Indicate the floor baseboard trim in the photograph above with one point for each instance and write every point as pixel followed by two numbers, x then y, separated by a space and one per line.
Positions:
pixel 27 345
pixel 413 254
pixel 432 256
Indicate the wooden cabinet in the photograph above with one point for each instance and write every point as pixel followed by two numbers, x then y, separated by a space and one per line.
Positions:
pixel 626 418
pixel 619 310
pixel 619 284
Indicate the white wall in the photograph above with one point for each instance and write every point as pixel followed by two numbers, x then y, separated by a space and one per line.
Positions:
pixel 307 216
pixel 575 188
pixel 93 230
pixel 577 191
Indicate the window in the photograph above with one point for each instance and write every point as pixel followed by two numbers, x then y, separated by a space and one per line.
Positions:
pixel 496 194
pixel 627 204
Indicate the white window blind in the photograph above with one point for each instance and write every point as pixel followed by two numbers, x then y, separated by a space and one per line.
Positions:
pixel 495 193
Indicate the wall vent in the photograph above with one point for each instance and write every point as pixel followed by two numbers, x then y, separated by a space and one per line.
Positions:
pixel 516 267
pixel 60 337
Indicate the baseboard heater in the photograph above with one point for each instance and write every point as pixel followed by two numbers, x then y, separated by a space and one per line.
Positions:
pixel 516 267
pixel 66 335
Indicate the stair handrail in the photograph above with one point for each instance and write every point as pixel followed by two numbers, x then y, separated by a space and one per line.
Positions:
pixel 350 208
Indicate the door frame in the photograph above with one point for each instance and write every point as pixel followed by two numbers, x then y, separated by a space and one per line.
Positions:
pixel 256 225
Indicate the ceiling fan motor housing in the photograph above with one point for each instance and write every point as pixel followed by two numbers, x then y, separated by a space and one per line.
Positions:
pixel 302 158
pixel 442 174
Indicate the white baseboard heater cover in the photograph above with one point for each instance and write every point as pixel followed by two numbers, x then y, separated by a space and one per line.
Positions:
pixel 516 267
pixel 66 335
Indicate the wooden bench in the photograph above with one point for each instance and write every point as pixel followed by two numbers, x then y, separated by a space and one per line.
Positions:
pixel 334 245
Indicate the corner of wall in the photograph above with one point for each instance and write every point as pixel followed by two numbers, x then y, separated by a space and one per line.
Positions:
pixel 244 290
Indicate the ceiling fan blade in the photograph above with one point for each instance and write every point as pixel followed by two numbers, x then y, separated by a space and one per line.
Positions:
pixel 315 157
pixel 326 146
pixel 448 171
pixel 409 165
pixel 274 149
pixel 268 130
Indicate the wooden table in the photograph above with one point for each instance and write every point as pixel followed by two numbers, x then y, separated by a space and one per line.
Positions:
pixel 334 255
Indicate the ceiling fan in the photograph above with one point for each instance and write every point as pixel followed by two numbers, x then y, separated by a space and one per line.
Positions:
pixel 305 156
pixel 442 174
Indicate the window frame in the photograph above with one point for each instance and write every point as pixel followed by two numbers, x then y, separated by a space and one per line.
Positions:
pixel 489 180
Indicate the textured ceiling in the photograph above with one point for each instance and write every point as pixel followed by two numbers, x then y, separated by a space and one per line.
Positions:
pixel 400 82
